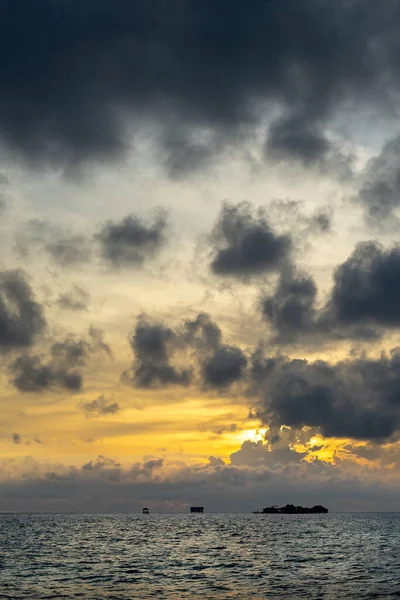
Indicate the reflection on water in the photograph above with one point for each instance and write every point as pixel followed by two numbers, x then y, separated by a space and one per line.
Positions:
pixel 121 557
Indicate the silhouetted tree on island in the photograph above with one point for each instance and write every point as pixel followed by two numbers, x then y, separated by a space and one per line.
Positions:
pixel 290 509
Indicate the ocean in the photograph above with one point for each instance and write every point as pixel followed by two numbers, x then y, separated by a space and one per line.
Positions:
pixel 209 556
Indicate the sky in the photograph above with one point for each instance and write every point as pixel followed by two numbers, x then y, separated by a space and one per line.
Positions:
pixel 200 262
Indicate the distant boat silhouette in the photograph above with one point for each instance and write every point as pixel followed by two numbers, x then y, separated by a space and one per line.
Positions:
pixel 145 511
pixel 196 509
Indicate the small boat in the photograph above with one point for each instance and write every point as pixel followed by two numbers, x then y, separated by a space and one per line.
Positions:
pixel 145 511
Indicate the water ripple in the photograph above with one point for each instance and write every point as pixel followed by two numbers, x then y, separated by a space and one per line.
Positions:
pixel 212 557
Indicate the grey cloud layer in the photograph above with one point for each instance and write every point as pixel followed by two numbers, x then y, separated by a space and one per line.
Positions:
pixel 186 65
pixel 103 484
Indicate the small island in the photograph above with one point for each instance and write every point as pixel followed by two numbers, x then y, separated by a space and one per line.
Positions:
pixel 290 509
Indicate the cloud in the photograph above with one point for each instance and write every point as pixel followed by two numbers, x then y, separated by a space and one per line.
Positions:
pixel 321 221
pixel 97 343
pixel 170 66
pixel 101 463
pixel 193 352
pixel 380 189
pixel 69 251
pixel 355 398
pixel 154 346
pixel 255 478
pixel 65 249
pixel 130 242
pixel 225 366
pixel 76 299
pixel 202 333
pixel 61 369
pixel 366 287
pixel 32 374
pixel 21 316
pixel 99 407
pixel 245 244
pixel 291 309
pixel 294 137
pixel 256 454
pixel 364 299
pixel 16 438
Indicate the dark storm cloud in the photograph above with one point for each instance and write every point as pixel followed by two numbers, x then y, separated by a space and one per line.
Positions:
pixel 131 241
pixel 21 317
pixel 62 369
pixel 291 309
pixel 356 398
pixel 245 244
pixel 225 366
pixel 294 137
pixel 31 374
pixel 99 407
pixel 154 346
pixel 202 333
pixel 192 352
pixel 367 287
pixel 183 153
pixel 208 65
pixel 76 299
pixel 364 299
pixel 380 191
pixel 220 365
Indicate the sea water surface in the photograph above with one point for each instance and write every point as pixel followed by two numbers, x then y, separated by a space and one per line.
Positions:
pixel 121 557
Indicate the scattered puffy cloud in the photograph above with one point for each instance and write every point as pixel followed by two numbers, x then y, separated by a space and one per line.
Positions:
pixel 363 301
pixel 21 316
pixel 131 241
pixel 366 288
pixel 291 309
pixel 244 243
pixel 99 407
pixel 128 242
pixel 193 352
pixel 33 372
pixel 154 345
